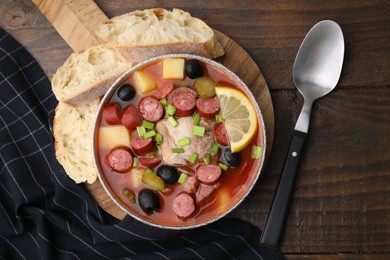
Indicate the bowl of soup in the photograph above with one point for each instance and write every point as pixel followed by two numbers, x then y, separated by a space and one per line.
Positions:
pixel 179 141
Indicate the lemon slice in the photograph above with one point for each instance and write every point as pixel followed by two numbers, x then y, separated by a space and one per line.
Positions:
pixel 239 117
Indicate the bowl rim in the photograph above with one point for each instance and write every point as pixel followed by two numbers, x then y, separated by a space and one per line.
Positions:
pixel 121 79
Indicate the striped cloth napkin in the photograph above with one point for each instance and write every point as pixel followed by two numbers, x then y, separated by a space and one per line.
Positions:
pixel 45 215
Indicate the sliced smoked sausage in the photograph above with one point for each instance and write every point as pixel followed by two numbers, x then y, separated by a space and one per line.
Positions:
pixel 164 90
pixel 150 161
pixel 182 89
pixel 184 99
pixel 119 160
pixel 131 118
pixel 184 205
pixel 220 134
pixel 111 114
pixel 191 184
pixel 204 192
pixel 142 146
pixel 207 107
pixel 208 173
pixel 150 109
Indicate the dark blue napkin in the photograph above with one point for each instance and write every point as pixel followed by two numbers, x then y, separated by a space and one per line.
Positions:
pixel 45 215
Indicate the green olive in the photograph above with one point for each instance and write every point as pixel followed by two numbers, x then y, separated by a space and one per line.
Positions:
pixel 205 86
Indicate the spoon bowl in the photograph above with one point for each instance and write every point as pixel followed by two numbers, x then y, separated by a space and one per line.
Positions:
pixel 318 65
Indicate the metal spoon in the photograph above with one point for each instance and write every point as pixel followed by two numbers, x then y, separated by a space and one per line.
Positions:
pixel 316 71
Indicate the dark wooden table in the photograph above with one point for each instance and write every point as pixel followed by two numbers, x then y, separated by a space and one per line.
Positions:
pixel 341 204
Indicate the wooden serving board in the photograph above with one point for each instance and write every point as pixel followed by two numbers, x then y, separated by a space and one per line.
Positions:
pixel 75 21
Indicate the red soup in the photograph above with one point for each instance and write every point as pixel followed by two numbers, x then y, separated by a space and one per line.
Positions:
pixel 165 138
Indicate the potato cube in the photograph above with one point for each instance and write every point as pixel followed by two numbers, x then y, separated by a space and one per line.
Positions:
pixel 144 83
pixel 113 136
pixel 173 69
pixel 135 179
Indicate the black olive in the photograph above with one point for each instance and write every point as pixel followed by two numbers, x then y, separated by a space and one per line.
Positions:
pixel 233 159
pixel 193 69
pixel 148 201
pixel 168 173
pixel 126 92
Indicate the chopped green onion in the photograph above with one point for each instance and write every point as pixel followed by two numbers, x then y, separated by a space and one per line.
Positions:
pixel 158 147
pixel 170 109
pixel 135 162
pixel 218 118
pixel 185 141
pixel 147 124
pixel 129 194
pixel 198 130
pixel 173 121
pixel 177 150
pixel 163 101
pixel 215 148
pixel 141 131
pixel 183 177
pixel 207 159
pixel 196 119
pixel 149 134
pixel 223 166
pixel 193 158
pixel 158 138
pixel 257 152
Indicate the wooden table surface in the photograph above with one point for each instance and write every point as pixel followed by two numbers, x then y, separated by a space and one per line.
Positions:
pixel 341 204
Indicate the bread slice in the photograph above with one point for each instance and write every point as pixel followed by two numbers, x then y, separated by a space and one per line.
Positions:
pixel 72 130
pixel 140 35
pixel 88 74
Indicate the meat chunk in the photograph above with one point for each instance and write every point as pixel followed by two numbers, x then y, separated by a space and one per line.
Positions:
pixel 171 136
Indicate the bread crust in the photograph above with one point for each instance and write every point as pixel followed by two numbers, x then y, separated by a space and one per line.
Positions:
pixel 88 74
pixel 140 53
pixel 112 32
pixel 72 131
pixel 94 91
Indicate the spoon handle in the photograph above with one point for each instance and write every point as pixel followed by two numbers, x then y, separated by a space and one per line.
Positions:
pixel 277 216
